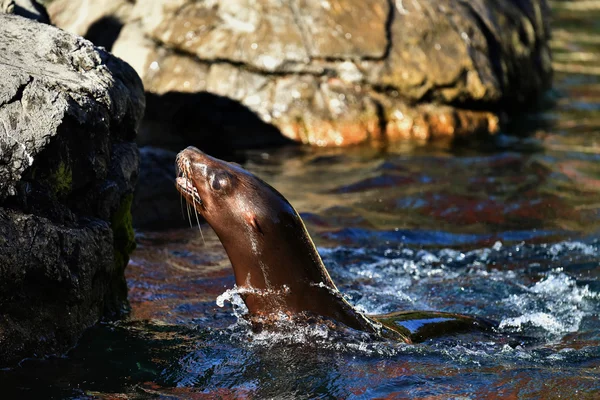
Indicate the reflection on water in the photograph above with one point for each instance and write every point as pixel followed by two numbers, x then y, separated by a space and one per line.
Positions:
pixel 507 231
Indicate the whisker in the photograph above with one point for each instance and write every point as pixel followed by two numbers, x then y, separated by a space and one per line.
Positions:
pixel 201 234
pixel 197 220
pixel 188 214
pixel 181 203
pixel 183 171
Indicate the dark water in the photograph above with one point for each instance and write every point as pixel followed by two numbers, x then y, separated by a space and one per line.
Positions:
pixel 507 230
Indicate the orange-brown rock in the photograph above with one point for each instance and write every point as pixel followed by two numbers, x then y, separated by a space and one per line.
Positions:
pixel 338 72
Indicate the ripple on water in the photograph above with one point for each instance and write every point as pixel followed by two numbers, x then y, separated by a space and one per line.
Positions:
pixel 543 294
pixel 523 286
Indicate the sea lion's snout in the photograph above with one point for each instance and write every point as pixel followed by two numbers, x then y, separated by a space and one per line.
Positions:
pixel 202 179
pixel 191 167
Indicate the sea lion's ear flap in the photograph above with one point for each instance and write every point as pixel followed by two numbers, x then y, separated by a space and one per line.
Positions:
pixel 256 226
pixel 253 222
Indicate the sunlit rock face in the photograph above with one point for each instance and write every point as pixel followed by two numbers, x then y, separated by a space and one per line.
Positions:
pixel 69 113
pixel 336 72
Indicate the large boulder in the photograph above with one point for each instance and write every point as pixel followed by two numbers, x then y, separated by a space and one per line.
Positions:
pixel 69 114
pixel 334 72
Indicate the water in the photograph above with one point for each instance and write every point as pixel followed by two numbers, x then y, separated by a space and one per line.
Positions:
pixel 507 230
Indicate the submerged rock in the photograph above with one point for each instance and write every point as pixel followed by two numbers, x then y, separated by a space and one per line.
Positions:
pixel 69 113
pixel 338 72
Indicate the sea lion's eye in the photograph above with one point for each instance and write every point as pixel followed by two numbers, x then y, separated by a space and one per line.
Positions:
pixel 219 181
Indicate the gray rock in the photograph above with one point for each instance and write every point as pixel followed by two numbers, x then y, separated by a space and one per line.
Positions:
pixel 69 114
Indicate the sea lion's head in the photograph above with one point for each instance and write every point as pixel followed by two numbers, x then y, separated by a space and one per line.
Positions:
pixel 229 198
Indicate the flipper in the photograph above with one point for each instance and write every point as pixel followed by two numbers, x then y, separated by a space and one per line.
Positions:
pixel 418 326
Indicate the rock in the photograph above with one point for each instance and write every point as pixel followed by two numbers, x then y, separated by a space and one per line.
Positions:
pixel 99 21
pixel 25 8
pixel 155 204
pixel 69 113
pixel 341 72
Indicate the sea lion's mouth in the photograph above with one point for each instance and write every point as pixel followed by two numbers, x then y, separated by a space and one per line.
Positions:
pixel 186 187
pixel 184 184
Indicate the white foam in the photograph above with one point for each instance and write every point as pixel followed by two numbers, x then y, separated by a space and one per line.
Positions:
pixel 570 247
pixel 555 304
pixel 539 319
pixel 233 296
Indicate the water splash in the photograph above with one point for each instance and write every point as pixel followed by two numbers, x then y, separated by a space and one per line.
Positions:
pixel 526 287
pixel 555 304
pixel 234 297
pixel 286 330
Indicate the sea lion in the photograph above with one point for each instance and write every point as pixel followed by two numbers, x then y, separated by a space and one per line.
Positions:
pixel 276 265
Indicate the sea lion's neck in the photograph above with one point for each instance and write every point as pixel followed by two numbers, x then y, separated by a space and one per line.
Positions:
pixel 280 270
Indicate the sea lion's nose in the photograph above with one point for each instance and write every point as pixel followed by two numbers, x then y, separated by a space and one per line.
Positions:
pixel 194 149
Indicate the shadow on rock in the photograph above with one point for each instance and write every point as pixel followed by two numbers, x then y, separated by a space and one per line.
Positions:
pixel 215 124
pixel 156 203
pixel 104 32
